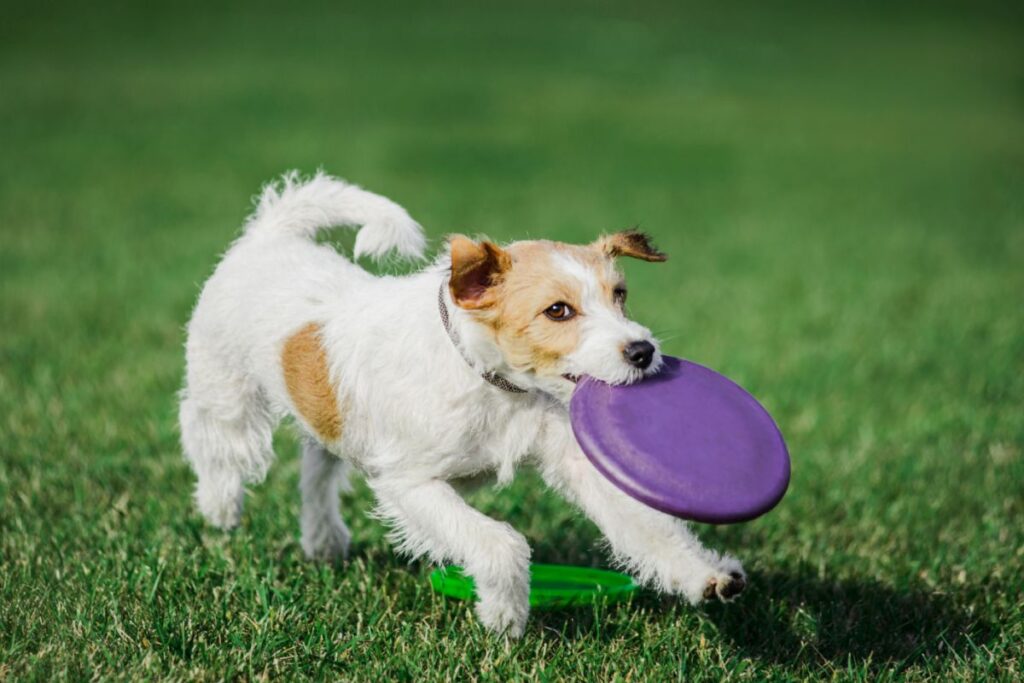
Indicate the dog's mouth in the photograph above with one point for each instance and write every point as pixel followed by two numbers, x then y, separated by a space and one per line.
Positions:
pixel 572 378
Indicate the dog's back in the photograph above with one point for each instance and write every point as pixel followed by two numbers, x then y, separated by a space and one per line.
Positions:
pixel 272 289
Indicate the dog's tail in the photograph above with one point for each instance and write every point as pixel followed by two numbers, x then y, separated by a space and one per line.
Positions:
pixel 305 207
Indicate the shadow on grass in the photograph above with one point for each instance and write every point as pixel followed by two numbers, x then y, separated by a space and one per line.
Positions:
pixel 801 620
pixel 859 622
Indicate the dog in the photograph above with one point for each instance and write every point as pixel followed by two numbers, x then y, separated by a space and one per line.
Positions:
pixel 462 369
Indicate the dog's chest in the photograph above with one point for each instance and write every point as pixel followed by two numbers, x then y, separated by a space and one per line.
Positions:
pixel 496 440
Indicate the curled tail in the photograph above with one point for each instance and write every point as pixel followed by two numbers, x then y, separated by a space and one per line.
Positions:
pixel 305 207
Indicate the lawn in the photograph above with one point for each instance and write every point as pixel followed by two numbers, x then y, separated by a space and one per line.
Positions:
pixel 840 188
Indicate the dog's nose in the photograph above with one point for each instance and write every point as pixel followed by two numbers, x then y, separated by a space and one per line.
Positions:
pixel 639 353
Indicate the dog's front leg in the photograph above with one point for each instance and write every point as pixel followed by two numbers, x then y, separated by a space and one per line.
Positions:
pixel 431 519
pixel 656 547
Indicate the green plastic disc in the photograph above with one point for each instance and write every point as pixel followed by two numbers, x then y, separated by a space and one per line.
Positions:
pixel 551 585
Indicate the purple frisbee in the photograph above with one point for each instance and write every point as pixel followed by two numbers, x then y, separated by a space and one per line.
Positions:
pixel 687 441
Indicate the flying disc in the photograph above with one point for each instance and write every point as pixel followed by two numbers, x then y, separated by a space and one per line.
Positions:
pixel 687 441
pixel 551 585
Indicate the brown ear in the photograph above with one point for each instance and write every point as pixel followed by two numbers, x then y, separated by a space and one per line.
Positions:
pixel 476 267
pixel 632 243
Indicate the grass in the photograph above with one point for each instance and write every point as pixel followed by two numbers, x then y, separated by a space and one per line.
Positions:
pixel 839 188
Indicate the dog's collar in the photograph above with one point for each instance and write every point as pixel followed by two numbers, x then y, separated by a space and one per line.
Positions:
pixel 490 377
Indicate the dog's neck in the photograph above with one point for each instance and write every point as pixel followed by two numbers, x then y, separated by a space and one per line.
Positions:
pixel 488 376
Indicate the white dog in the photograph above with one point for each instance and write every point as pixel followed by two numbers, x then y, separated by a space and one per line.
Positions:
pixel 462 369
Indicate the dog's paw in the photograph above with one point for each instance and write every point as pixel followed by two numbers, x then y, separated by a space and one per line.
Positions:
pixel 727 564
pixel 325 541
pixel 220 505
pixel 725 587
pixel 503 616
pixel 504 606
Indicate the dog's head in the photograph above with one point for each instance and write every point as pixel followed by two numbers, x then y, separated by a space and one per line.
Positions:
pixel 556 311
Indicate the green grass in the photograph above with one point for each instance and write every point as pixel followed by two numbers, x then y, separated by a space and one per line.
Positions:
pixel 839 188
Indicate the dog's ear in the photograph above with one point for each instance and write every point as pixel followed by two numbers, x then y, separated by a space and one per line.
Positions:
pixel 476 268
pixel 632 243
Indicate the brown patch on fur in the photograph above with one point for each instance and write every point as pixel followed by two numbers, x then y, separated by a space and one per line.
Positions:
pixel 528 338
pixel 630 243
pixel 522 281
pixel 307 378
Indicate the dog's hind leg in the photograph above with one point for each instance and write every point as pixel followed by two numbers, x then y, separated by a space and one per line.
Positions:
pixel 324 475
pixel 226 432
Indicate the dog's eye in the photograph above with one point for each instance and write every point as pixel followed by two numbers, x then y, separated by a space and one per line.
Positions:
pixel 560 312
pixel 619 294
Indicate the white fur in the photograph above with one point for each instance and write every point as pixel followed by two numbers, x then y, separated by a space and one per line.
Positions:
pixel 606 330
pixel 417 415
pixel 305 208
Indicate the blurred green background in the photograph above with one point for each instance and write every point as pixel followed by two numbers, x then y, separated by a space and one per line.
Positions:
pixel 840 187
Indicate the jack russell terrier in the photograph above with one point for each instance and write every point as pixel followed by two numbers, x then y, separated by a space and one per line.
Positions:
pixel 461 369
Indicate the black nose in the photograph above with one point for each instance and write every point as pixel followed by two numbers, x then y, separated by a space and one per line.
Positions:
pixel 639 353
